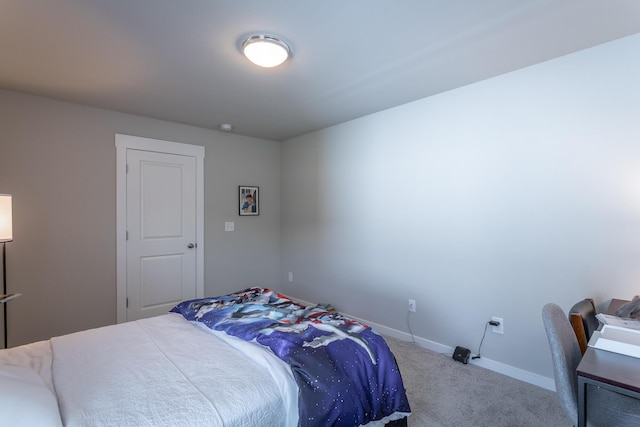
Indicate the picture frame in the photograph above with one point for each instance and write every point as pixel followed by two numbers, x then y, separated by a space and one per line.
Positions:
pixel 248 200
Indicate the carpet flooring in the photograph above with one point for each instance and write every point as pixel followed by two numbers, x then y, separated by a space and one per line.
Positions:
pixel 446 393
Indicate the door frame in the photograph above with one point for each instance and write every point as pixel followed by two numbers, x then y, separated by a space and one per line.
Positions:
pixel 128 142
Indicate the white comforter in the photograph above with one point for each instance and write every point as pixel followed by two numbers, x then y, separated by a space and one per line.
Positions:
pixel 165 371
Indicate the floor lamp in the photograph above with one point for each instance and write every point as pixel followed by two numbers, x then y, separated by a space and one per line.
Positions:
pixel 6 235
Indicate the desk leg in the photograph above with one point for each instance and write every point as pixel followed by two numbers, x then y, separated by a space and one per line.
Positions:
pixel 582 402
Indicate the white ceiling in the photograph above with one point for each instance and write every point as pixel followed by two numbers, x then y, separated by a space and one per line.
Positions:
pixel 179 60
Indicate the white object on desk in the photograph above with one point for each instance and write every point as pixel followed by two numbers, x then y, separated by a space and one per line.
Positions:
pixel 622 322
pixel 617 339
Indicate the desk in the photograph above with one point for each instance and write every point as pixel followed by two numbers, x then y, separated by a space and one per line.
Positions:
pixel 608 370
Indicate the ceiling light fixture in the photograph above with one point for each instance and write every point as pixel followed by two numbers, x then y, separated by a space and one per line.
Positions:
pixel 265 51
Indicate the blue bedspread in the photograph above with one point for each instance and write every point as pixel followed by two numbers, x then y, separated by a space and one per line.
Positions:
pixel 346 374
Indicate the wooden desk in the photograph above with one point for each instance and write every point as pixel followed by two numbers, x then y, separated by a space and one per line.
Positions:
pixel 605 369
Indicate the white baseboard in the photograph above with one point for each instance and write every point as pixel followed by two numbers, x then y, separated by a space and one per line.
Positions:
pixel 492 365
pixel 508 370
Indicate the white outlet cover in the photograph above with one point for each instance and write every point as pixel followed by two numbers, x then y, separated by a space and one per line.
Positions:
pixel 500 328
pixel 229 226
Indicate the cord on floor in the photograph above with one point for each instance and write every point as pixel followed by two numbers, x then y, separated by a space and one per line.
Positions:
pixel 477 356
pixel 413 339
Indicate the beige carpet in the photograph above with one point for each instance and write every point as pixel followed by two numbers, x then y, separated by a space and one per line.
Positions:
pixel 446 393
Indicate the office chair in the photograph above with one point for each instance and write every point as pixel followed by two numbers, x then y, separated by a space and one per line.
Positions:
pixel 605 407
pixel 584 322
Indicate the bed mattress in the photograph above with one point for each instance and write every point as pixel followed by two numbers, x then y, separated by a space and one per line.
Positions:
pixel 161 371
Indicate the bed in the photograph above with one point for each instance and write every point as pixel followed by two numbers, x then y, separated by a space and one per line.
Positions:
pixel 251 358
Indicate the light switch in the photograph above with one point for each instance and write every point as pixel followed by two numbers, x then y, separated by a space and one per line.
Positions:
pixel 229 226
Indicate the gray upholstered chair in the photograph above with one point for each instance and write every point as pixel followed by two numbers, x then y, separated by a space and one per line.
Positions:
pixel 583 319
pixel 605 408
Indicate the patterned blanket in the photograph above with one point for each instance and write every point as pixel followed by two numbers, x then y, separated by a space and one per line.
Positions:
pixel 346 374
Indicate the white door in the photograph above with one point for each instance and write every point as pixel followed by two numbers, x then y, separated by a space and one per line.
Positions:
pixel 160 212
pixel 161 225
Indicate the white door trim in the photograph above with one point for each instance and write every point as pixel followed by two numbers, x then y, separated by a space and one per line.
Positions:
pixel 123 143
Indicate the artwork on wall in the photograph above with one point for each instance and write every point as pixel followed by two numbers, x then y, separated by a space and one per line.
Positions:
pixel 249 200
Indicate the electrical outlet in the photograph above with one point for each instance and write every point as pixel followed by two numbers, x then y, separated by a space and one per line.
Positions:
pixel 412 305
pixel 290 276
pixel 500 328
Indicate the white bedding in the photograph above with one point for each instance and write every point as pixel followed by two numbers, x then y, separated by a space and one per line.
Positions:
pixel 165 371
pixel 36 356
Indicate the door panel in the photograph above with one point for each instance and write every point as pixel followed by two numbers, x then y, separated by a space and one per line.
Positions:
pixel 161 225
pixel 158 276
pixel 161 200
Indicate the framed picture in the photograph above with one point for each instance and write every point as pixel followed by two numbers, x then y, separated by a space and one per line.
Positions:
pixel 249 200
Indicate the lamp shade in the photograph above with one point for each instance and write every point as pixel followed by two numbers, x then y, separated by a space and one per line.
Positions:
pixel 6 221
pixel 265 51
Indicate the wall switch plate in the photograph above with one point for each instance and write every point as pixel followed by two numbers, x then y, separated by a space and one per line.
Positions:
pixel 290 276
pixel 229 226
pixel 412 305
pixel 500 328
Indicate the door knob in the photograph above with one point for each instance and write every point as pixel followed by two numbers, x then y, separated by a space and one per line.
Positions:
pixel 191 245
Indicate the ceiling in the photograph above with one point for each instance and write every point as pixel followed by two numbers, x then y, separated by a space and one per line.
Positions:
pixel 181 60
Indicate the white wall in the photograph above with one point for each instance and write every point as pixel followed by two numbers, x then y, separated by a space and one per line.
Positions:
pixel 489 200
pixel 59 162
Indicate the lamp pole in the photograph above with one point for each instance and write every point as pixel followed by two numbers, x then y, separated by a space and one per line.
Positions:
pixel 4 289
pixel 6 235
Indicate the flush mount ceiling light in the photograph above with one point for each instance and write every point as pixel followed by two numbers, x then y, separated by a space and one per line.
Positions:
pixel 265 51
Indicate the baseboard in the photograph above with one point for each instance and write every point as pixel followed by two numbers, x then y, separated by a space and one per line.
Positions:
pixel 492 365
pixel 508 370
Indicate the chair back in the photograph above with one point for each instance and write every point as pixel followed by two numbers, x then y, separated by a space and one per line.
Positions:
pixel 566 356
pixel 584 322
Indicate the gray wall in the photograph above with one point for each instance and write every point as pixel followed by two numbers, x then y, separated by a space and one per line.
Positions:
pixel 59 161
pixel 489 200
